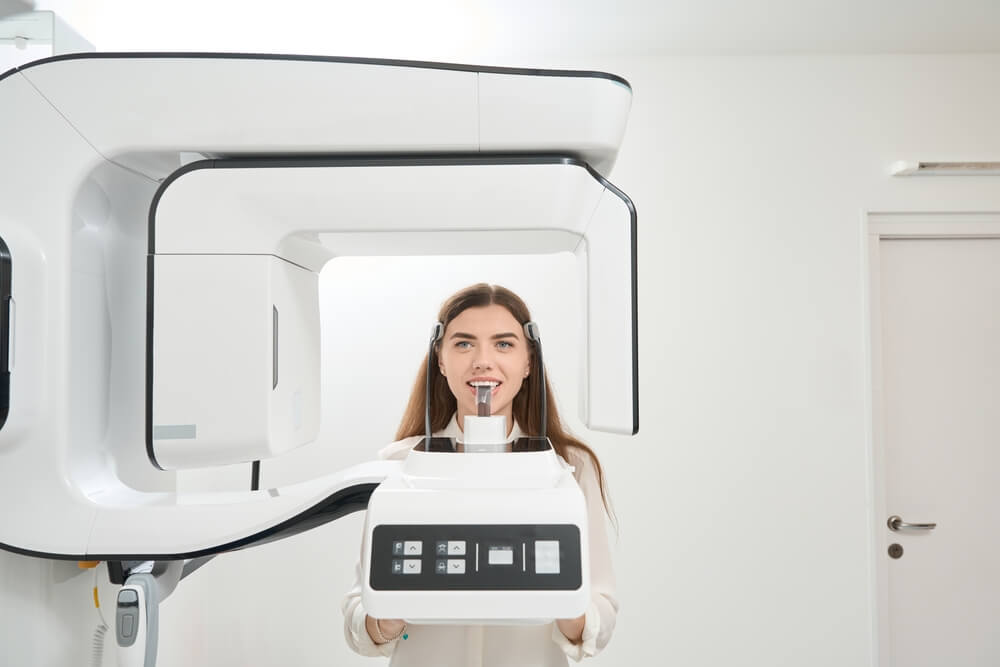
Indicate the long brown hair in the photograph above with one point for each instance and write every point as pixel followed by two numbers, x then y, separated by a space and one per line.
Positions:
pixel 527 403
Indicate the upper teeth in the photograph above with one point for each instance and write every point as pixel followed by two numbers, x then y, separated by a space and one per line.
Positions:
pixel 484 383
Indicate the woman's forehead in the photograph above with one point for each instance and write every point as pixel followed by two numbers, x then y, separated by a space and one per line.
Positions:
pixel 488 320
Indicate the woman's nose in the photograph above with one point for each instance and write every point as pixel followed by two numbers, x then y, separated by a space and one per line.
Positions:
pixel 481 363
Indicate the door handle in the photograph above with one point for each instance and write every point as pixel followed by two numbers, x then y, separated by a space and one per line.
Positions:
pixel 895 523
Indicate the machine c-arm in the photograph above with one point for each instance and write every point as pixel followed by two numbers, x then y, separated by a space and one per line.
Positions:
pixel 141 191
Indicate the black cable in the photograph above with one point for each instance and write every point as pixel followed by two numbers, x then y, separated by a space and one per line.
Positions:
pixel 255 476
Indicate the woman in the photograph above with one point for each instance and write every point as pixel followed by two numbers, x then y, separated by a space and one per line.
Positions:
pixel 484 343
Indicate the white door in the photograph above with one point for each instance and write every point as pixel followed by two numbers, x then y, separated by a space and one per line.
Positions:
pixel 939 313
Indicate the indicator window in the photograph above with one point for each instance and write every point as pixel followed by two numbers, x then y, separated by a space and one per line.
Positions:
pixel 501 555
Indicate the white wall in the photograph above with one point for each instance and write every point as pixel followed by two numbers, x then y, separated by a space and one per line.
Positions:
pixel 744 501
pixel 750 177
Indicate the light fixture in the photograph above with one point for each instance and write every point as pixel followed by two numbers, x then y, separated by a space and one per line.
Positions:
pixel 968 168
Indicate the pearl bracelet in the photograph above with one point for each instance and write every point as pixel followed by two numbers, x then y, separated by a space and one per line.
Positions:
pixel 382 639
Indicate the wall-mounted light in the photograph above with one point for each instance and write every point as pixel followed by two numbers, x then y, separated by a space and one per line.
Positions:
pixel 906 168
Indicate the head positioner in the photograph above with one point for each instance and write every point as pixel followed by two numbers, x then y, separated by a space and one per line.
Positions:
pixel 532 334
pixel 437 331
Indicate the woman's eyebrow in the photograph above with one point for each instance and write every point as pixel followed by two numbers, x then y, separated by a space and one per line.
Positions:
pixel 468 336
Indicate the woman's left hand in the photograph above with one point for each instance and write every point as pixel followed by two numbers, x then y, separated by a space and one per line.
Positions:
pixel 572 628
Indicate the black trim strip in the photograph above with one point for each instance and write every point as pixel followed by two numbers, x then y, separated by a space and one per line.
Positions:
pixel 635 294
pixel 274 347
pixel 150 452
pixel 5 330
pixel 417 64
pixel 346 501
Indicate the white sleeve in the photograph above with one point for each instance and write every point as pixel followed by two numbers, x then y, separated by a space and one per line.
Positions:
pixel 602 612
pixel 354 612
pixel 354 620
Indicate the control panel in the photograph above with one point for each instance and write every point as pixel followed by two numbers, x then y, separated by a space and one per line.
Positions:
pixel 475 557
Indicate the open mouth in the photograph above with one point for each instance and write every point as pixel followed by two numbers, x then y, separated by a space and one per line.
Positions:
pixel 494 385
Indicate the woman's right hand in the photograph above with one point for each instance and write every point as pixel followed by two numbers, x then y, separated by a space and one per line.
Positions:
pixel 384 628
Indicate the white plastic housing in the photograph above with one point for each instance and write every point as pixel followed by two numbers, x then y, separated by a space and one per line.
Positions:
pixel 94 138
pixel 484 434
pixel 482 489
pixel 310 211
pixel 235 372
pixel 294 105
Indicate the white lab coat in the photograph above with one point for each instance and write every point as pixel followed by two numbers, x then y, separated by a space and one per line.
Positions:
pixel 499 645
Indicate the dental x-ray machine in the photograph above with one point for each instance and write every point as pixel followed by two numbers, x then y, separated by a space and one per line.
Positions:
pixel 163 221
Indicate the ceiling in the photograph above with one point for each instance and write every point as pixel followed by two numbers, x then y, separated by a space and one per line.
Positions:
pixel 497 30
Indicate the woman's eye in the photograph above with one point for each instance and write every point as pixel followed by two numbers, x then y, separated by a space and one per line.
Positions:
pixel 463 344
pixel 504 345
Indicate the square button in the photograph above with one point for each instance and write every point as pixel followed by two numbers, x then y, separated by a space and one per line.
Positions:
pixel 440 566
pixel 456 566
pixel 411 566
pixel 397 548
pixel 456 547
pixel 414 548
pixel 546 556
pixel 397 566
pixel 441 548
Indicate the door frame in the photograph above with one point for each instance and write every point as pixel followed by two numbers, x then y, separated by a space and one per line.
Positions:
pixel 881 226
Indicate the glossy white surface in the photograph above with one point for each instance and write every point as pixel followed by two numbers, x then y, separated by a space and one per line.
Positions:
pixel 591 111
pixel 610 311
pixel 510 488
pixel 190 523
pixel 450 209
pixel 235 359
pixel 377 210
pixel 234 106
pixel 36 441
pixel 259 106
pixel 72 453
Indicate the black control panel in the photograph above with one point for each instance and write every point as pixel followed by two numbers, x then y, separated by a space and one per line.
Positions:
pixel 475 557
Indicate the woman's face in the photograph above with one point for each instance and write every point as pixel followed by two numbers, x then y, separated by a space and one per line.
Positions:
pixel 484 345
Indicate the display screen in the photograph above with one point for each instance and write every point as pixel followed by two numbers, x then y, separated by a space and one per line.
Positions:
pixel 501 555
